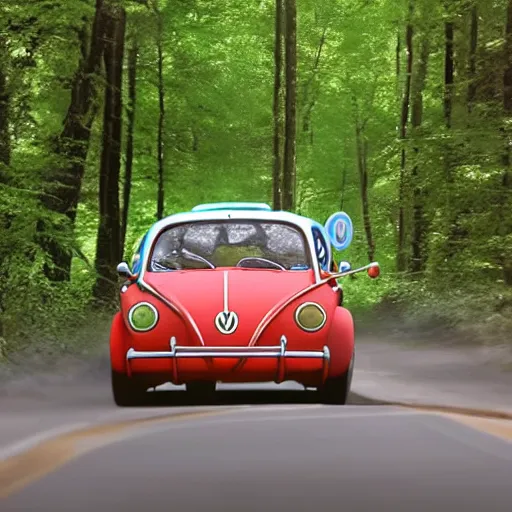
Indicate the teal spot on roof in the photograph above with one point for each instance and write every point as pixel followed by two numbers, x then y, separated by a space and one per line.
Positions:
pixel 231 206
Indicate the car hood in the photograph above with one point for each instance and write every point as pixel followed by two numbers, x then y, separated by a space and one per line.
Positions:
pixel 250 293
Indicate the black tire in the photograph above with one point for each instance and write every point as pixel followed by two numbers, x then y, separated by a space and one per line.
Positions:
pixel 126 391
pixel 201 390
pixel 336 390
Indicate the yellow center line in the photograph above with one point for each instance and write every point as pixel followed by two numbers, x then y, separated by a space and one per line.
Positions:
pixel 496 423
pixel 20 470
pixel 496 427
pixel 448 409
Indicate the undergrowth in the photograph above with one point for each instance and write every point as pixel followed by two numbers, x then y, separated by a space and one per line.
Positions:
pixel 47 321
pixel 473 313
pixel 50 321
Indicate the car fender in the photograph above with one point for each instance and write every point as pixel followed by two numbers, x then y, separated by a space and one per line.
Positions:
pixel 119 336
pixel 340 341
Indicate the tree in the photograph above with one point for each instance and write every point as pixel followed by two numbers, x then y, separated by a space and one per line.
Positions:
pixel 362 166
pixel 5 153
pixel 448 72
pixel 472 72
pixel 420 226
pixel 108 247
pixel 62 191
pixel 132 99
pixel 310 92
pixel 289 169
pixel 277 106
pixel 5 137
pixel 404 118
pixel 505 222
pixel 161 115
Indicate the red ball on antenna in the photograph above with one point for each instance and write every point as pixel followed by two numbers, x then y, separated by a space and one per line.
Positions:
pixel 374 271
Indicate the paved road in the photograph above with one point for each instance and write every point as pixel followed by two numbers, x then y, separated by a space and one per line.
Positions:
pixel 251 452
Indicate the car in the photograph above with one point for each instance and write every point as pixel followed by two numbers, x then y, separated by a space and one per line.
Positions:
pixel 235 293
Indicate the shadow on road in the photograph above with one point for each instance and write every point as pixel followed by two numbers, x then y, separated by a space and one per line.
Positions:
pixel 242 397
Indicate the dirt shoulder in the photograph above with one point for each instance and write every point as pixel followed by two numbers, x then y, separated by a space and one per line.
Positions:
pixel 398 367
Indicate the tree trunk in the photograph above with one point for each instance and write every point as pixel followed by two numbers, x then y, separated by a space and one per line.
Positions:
pixel 108 250
pixel 132 97
pixel 362 159
pixel 448 73
pixel 289 171
pixel 455 233
pixel 401 254
pixel 398 51
pixel 505 224
pixel 310 96
pixel 277 110
pixel 5 159
pixel 343 184
pixel 161 119
pixel 64 184
pixel 420 226
pixel 5 137
pixel 472 58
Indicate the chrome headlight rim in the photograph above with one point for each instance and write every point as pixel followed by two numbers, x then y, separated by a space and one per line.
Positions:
pixel 132 311
pixel 304 305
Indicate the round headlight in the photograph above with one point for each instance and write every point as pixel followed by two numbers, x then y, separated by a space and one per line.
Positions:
pixel 143 316
pixel 310 316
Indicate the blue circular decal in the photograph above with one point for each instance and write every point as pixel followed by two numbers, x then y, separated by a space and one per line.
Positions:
pixel 340 230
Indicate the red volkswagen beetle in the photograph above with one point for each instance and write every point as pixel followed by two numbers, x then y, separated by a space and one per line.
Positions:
pixel 235 292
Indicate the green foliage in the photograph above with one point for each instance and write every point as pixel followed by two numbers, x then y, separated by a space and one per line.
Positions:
pixel 218 85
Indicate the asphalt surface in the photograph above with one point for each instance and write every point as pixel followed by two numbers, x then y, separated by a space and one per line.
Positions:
pixel 250 451
pixel 64 446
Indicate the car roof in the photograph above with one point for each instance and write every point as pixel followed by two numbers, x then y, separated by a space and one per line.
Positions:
pixel 239 211
pixel 236 210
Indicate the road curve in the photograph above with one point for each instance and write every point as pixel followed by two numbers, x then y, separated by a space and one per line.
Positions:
pixel 245 455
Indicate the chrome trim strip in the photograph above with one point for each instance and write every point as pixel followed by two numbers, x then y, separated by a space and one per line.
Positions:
pixel 327 360
pixel 173 360
pixel 278 351
pixel 281 362
pixel 134 354
pixel 220 350
pixel 226 284
pixel 284 303
pixel 182 314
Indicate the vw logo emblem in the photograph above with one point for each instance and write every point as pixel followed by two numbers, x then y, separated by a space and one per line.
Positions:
pixel 226 322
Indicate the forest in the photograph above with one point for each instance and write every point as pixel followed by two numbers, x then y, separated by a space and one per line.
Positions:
pixel 116 113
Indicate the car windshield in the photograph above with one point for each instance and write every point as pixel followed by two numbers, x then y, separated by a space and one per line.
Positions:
pixel 248 244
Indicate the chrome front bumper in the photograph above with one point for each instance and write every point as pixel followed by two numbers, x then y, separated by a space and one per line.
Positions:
pixel 278 352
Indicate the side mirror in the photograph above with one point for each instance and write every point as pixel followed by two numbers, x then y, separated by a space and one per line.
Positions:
pixel 344 266
pixel 123 270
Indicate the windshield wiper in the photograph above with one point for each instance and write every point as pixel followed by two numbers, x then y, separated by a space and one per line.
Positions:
pixel 195 257
pixel 159 266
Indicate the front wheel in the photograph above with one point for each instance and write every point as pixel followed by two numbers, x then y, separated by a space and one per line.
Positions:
pixel 335 390
pixel 125 390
